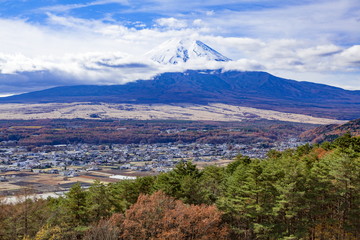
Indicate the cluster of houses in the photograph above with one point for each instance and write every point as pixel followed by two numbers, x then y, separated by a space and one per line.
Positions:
pixel 69 159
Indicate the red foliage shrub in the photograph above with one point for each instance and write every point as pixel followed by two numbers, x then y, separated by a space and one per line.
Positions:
pixel 161 217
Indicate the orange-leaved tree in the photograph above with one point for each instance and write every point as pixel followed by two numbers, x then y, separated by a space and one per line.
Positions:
pixel 159 216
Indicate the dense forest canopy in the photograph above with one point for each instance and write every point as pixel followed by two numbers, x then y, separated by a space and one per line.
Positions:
pixel 311 192
pixel 73 131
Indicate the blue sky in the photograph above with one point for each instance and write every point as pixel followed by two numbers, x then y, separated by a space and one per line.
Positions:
pixel 51 43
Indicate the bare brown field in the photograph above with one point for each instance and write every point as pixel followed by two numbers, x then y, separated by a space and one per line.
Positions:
pixel 41 182
pixel 194 112
pixel 223 162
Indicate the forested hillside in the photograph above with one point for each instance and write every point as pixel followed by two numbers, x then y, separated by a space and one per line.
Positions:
pixel 312 192
pixel 331 132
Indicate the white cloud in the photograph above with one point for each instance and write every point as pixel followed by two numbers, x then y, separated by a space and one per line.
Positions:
pixel 286 54
pixel 6 95
pixel 320 50
pixel 321 21
pixel 198 22
pixel 68 7
pixel 91 68
pixel 350 56
pixel 209 13
pixel 172 23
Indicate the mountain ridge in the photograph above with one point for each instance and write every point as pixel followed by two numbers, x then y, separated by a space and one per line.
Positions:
pixel 250 89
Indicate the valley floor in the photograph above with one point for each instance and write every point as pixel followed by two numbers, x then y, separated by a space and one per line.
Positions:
pixel 211 112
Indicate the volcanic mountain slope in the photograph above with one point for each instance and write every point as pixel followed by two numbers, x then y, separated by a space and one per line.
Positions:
pixel 332 131
pixel 251 89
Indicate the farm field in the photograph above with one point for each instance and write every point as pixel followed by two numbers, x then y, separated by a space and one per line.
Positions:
pixel 24 182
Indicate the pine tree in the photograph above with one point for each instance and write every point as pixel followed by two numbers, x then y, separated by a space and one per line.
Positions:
pixel 76 206
pixel 99 205
pixel 183 182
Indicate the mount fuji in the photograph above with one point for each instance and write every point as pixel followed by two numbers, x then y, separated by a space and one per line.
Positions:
pixel 253 89
pixel 177 51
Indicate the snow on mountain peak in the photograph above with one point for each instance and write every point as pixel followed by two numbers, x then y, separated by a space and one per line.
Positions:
pixel 177 51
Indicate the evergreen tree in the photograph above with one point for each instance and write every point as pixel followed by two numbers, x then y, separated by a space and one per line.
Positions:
pixel 99 204
pixel 183 182
pixel 76 206
pixel 211 182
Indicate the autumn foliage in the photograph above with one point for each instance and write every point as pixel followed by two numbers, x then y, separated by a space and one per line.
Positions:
pixel 159 216
pixel 65 131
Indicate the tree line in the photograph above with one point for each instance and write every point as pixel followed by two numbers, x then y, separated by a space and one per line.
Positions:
pixel 311 192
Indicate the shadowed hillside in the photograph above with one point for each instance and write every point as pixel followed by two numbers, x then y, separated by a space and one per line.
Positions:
pixel 252 89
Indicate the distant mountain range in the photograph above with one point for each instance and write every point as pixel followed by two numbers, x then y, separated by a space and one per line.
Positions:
pixel 252 89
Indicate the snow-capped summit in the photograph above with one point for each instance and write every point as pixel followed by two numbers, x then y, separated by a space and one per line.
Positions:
pixel 177 51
